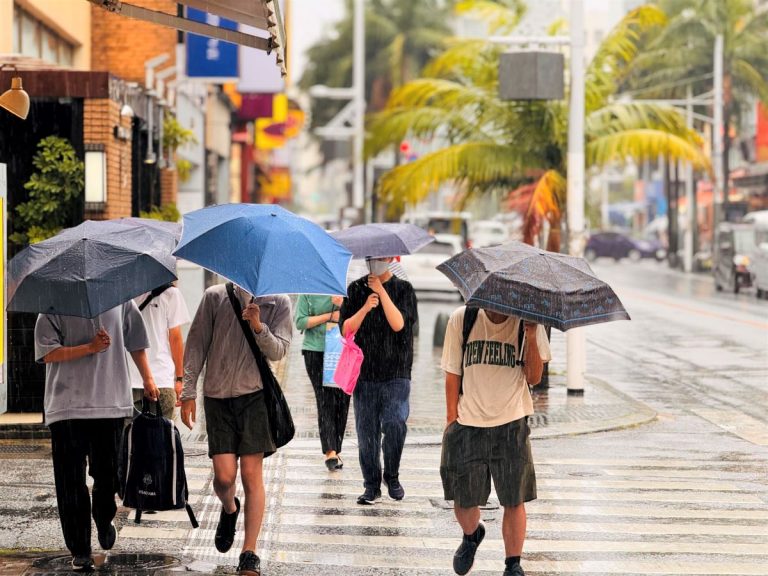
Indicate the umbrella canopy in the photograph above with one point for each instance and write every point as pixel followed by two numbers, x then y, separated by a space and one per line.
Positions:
pixel 382 240
pixel 265 249
pixel 172 228
pixel 517 279
pixel 89 269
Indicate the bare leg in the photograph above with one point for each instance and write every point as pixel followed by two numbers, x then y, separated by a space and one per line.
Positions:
pixel 224 480
pixel 253 484
pixel 513 529
pixel 468 518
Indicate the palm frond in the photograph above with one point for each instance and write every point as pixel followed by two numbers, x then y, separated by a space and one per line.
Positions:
pixel 444 94
pixel 501 19
pixel 392 126
pixel 547 198
pixel 640 145
pixel 476 60
pixel 474 164
pixel 621 116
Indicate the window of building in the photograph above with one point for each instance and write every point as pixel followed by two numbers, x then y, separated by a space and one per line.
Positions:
pixel 31 37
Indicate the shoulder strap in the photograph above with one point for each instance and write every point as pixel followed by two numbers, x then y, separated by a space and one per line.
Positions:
pixel 520 342
pixel 154 294
pixel 470 316
pixel 261 361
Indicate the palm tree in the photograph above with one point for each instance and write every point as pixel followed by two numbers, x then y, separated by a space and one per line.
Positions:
pixel 681 55
pixel 401 36
pixel 496 145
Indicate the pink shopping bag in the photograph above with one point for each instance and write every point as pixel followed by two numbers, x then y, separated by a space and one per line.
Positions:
pixel 348 368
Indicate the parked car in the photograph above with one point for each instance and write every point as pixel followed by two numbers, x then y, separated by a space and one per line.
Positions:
pixel 617 246
pixel 759 261
pixel 421 268
pixel 734 245
pixel 437 222
pixel 487 233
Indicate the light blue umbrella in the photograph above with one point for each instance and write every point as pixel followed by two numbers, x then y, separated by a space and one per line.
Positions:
pixel 265 249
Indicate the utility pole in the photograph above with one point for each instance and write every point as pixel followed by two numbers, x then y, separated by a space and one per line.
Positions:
pixel 575 338
pixel 720 192
pixel 358 86
pixel 690 203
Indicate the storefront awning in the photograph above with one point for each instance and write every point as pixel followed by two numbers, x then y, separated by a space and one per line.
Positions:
pixel 261 14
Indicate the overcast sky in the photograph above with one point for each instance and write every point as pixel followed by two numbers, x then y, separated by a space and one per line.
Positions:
pixel 310 20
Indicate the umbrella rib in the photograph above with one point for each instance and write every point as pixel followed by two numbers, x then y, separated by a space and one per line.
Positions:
pixel 555 318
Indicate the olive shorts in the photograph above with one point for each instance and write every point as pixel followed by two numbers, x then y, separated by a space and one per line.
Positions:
pixel 472 456
pixel 238 425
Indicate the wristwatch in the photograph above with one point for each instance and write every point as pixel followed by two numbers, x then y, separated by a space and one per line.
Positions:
pixel 179 378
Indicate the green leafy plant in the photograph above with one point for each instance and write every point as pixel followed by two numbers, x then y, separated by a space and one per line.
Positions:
pixel 175 136
pixel 167 213
pixel 58 181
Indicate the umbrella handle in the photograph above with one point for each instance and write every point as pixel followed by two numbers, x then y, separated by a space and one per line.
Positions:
pixel 97 325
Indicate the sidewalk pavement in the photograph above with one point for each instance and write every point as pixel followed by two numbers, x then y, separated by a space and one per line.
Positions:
pixel 26 549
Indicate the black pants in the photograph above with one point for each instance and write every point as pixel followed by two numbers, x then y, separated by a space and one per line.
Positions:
pixel 72 442
pixel 332 404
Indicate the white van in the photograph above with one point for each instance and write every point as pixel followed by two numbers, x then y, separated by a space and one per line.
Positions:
pixel 759 261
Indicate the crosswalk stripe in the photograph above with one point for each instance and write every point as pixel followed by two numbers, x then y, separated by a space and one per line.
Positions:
pixel 640 484
pixel 675 496
pixel 532 545
pixel 443 564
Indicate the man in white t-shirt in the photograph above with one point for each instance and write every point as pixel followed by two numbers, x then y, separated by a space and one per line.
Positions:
pixel 487 434
pixel 164 312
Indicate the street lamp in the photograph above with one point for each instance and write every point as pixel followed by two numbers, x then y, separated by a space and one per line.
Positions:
pixel 576 354
pixel 356 95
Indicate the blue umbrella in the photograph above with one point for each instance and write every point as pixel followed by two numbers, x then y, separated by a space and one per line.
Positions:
pixel 89 269
pixel 265 249
pixel 382 240
pixel 517 279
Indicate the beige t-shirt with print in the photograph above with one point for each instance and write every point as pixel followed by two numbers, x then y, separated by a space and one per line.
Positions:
pixel 495 391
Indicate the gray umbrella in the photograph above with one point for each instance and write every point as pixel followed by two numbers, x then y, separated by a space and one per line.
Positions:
pixel 381 240
pixel 91 268
pixel 517 279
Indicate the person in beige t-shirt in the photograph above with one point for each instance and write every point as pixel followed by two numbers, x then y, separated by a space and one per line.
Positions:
pixel 487 435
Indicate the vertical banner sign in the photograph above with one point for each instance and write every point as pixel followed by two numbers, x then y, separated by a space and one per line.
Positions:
pixel 3 257
pixel 210 58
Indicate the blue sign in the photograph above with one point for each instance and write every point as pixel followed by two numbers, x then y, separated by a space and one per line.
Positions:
pixel 210 57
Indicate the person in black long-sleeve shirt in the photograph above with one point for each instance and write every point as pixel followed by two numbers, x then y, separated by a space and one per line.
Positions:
pixel 381 309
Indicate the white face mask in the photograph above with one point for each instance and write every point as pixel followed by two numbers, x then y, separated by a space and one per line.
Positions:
pixel 377 267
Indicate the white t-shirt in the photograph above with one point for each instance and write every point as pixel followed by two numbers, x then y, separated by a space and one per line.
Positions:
pixel 163 313
pixel 495 391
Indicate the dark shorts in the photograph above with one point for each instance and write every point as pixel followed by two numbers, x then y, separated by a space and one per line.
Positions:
pixel 238 425
pixel 473 456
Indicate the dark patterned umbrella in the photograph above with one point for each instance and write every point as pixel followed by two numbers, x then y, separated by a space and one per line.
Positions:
pixel 545 287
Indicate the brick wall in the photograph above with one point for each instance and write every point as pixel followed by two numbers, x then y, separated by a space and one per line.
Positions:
pixel 100 116
pixel 169 186
pixel 121 45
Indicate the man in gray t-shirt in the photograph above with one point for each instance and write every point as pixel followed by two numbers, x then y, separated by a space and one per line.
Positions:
pixel 87 398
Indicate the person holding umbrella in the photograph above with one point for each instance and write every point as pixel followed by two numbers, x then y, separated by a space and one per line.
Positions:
pixel 235 411
pixel 87 398
pixel 487 378
pixel 381 310
pixel 313 312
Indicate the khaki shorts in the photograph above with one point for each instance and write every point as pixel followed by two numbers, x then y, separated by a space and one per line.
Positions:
pixel 473 456
pixel 167 401
pixel 238 425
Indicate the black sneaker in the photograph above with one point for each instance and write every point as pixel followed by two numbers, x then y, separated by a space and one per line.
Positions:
pixel 370 496
pixel 464 557
pixel 515 570
pixel 82 563
pixel 225 531
pixel 249 564
pixel 395 489
pixel 107 537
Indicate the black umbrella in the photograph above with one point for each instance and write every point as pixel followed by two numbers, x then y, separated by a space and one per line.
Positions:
pixel 517 279
pixel 381 240
pixel 91 268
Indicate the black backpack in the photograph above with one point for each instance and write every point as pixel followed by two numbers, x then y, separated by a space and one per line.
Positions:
pixel 151 465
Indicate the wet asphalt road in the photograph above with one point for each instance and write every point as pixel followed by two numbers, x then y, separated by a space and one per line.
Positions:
pixel 684 494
